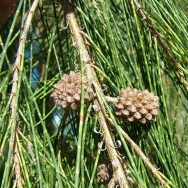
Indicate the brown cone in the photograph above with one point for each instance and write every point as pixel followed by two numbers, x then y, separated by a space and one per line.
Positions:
pixel 67 92
pixel 105 173
pixel 137 106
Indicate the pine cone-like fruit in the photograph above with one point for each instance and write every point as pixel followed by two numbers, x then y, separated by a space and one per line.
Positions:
pixel 137 106
pixel 105 173
pixel 67 92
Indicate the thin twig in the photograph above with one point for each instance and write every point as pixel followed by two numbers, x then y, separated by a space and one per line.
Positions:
pixel 111 99
pixel 158 175
pixel 163 44
pixel 79 42
pixel 17 171
pixel 15 91
pixel 154 170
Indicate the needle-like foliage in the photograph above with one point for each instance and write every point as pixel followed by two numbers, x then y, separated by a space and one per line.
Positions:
pixel 118 44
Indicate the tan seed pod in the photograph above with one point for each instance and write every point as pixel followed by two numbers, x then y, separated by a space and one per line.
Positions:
pixel 137 106
pixel 67 92
pixel 105 173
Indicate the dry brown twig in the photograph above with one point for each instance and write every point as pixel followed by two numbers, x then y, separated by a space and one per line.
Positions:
pixel 158 175
pixel 79 42
pixel 163 44
pixel 119 173
pixel 17 171
pixel 15 93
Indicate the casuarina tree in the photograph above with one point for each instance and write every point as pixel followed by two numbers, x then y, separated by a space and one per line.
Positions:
pixel 93 93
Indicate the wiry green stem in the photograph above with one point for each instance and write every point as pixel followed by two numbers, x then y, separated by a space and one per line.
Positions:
pixel 158 175
pixel 162 43
pixel 85 58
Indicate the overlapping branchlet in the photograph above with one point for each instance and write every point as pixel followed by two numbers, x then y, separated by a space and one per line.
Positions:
pixel 67 92
pixel 137 106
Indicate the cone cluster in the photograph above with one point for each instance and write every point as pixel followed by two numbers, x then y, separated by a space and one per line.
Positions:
pixel 132 105
pixel 67 92
pixel 137 106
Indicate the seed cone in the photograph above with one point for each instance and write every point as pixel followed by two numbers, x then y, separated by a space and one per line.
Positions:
pixel 137 106
pixel 105 173
pixel 67 92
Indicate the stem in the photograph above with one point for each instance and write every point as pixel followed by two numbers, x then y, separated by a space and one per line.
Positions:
pixel 111 99
pixel 16 82
pixel 83 145
pixel 17 169
pixel 163 44
pixel 90 73
pixel 158 175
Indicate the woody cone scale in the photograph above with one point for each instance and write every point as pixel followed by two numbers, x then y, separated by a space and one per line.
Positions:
pixel 67 92
pixel 137 106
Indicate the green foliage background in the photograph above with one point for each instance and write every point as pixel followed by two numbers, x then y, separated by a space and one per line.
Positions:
pixel 126 53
